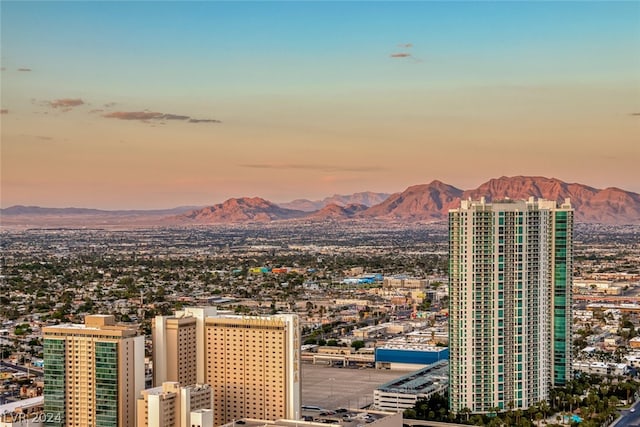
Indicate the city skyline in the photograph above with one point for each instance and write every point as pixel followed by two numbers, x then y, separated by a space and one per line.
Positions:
pixel 144 105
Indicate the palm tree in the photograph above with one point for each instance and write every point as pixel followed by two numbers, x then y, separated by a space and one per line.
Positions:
pixel 518 416
pixel 544 407
pixel 466 411
pixel 571 400
pixel 539 417
pixel 614 401
pixel 562 399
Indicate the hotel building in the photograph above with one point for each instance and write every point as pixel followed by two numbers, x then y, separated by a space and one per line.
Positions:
pixel 251 362
pixel 171 405
pixel 509 303
pixel 93 373
pixel 179 346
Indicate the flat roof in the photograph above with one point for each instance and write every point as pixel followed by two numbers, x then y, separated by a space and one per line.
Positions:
pixel 416 346
pixel 8 408
pixel 422 381
pixel 357 418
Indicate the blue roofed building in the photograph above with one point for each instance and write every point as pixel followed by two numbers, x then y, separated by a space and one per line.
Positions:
pixel 408 356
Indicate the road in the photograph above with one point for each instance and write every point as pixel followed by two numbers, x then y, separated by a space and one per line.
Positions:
pixel 33 371
pixel 628 417
pixel 413 423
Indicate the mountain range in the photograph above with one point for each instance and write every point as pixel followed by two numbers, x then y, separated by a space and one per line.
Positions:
pixel 366 198
pixel 425 202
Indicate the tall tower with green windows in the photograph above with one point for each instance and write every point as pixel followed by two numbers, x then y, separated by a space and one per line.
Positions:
pixel 510 265
pixel 93 373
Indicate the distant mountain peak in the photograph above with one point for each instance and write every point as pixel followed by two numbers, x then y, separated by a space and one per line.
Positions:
pixel 367 198
pixel 243 209
pixel 334 211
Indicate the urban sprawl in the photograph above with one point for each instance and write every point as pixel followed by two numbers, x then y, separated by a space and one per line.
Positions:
pixel 508 315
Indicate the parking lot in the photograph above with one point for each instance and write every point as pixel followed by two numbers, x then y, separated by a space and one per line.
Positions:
pixel 331 388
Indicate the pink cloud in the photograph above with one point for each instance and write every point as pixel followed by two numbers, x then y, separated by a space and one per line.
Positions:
pixel 146 116
pixel 66 103
pixel 133 115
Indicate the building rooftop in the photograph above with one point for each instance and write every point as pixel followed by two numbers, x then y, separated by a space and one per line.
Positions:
pixel 401 344
pixel 9 408
pixel 355 418
pixel 95 324
pixel 423 381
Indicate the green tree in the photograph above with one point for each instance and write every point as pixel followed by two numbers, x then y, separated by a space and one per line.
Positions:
pixel 358 344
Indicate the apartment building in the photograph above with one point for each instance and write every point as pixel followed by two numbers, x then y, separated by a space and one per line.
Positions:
pixel 509 302
pixel 93 373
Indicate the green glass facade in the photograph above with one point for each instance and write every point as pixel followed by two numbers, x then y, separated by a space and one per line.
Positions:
pixel 54 378
pixel 561 297
pixel 106 374
pixel 509 303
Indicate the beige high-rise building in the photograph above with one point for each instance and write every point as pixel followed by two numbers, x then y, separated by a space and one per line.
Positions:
pixel 253 367
pixel 251 362
pixel 93 373
pixel 178 346
pixel 171 405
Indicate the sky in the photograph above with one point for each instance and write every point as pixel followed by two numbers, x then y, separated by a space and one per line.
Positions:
pixel 158 104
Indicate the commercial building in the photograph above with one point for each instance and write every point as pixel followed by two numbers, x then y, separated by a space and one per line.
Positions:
pixel 404 282
pixel 352 418
pixel 404 392
pixel 601 368
pixel 171 405
pixel 23 413
pixel 251 362
pixel 408 356
pixel 509 302
pixel 93 373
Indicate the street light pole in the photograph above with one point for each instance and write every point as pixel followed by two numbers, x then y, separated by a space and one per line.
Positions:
pixel 331 380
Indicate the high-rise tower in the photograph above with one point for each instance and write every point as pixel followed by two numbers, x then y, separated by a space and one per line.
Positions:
pixel 93 373
pixel 509 302
pixel 253 366
pixel 179 346
pixel 251 362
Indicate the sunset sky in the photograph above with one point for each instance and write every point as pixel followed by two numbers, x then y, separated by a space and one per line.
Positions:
pixel 156 104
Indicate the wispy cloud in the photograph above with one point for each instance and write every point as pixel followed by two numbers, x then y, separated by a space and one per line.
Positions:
pixel 204 121
pixel 24 69
pixel 66 103
pixel 301 166
pixel 174 117
pixel 405 54
pixel 4 111
pixel 152 115
pixel 133 115
pixel 635 114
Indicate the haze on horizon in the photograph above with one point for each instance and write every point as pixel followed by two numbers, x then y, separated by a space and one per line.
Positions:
pixel 139 105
